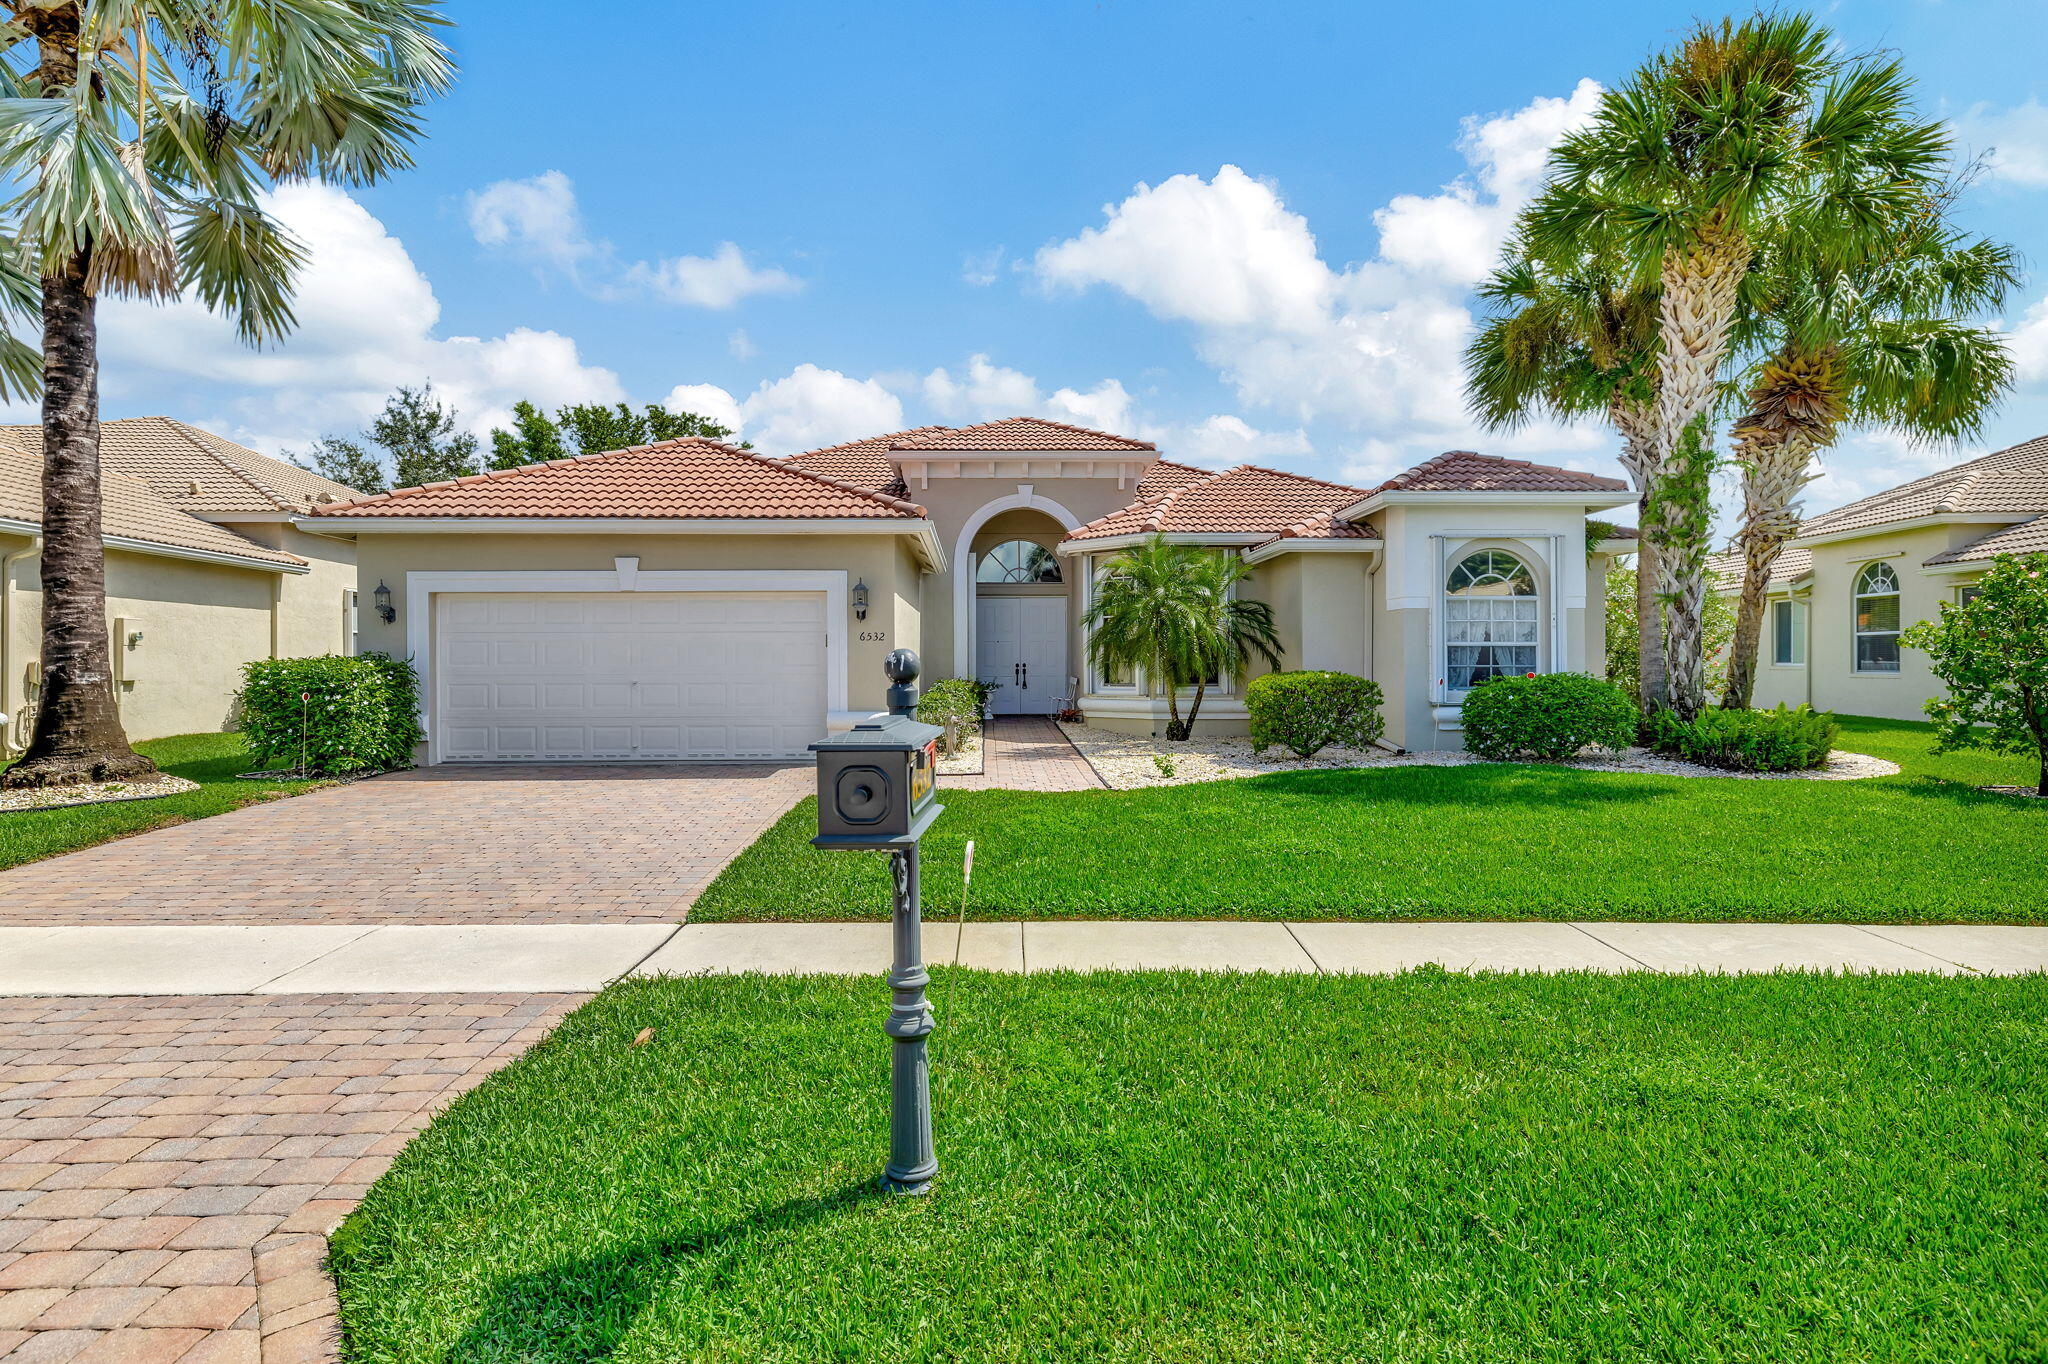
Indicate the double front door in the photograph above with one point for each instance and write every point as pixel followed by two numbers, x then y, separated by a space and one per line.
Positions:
pixel 1021 646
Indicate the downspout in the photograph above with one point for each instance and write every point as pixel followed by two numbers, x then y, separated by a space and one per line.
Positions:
pixel 276 613
pixel 7 662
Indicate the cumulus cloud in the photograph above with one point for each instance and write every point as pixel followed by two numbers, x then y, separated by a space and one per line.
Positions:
pixel 1374 344
pixel 2029 342
pixel 368 322
pixel 2013 142
pixel 538 220
pixel 804 409
pixel 983 391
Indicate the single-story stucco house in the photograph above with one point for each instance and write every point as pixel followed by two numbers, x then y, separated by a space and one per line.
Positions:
pixel 692 600
pixel 1854 577
pixel 205 572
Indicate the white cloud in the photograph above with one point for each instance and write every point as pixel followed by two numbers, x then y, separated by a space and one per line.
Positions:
pixel 2029 342
pixel 368 322
pixel 1223 440
pixel 741 346
pixel 983 268
pixel 706 400
pixel 538 220
pixel 2014 142
pixel 1374 345
pixel 804 409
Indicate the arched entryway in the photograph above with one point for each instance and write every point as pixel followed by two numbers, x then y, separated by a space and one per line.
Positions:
pixel 1020 608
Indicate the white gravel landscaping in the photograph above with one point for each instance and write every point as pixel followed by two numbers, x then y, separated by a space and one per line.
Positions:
pixel 964 761
pixel 97 793
pixel 1128 762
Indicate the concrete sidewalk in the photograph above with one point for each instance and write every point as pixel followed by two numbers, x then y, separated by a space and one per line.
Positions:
pixel 233 960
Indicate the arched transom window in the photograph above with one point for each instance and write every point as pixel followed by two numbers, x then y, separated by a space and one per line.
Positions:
pixel 1018 561
pixel 1876 614
pixel 1490 619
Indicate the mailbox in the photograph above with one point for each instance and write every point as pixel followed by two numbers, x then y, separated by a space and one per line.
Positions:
pixel 877 782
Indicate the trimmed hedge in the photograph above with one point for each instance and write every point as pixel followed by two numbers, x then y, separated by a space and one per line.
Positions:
pixel 1779 740
pixel 954 704
pixel 331 715
pixel 1305 711
pixel 1547 716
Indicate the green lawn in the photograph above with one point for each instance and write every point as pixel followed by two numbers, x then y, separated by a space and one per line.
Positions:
pixel 212 760
pixel 1425 1167
pixel 1492 841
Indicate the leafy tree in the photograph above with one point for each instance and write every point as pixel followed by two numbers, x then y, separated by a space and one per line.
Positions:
pixel 346 462
pixel 135 138
pixel 592 428
pixel 1717 613
pixel 1992 651
pixel 1171 610
pixel 417 433
pixel 533 439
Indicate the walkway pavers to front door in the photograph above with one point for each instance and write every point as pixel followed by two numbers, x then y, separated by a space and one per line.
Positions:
pixel 1027 753
pixel 440 845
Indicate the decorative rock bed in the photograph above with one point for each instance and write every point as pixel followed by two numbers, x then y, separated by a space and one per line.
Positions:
pixel 97 793
pixel 964 761
pixel 1129 762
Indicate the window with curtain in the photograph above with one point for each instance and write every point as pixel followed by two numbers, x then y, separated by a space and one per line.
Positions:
pixel 1788 634
pixel 1876 616
pixel 1018 561
pixel 1107 679
pixel 1490 619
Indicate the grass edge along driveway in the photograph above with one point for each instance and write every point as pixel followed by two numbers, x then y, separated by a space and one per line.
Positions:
pixel 1485 841
pixel 1425 1166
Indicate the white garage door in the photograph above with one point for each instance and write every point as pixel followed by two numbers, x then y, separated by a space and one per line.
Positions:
pixel 609 676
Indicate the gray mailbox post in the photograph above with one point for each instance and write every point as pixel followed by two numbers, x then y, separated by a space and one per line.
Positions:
pixel 878 788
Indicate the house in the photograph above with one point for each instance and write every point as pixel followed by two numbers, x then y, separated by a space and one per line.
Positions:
pixel 692 600
pixel 205 571
pixel 1854 577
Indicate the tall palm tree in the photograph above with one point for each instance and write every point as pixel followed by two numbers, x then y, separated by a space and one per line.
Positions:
pixel 1741 129
pixel 1884 341
pixel 138 136
pixel 1172 611
pixel 1573 344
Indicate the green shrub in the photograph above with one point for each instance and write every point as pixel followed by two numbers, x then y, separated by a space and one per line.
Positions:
pixel 1303 711
pixel 1548 716
pixel 330 715
pixel 1779 740
pixel 954 704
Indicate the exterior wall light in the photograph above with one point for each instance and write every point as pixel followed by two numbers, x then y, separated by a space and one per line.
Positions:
pixel 386 612
pixel 860 600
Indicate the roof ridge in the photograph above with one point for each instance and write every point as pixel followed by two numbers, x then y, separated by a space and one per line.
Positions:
pixel 1057 426
pixel 1165 503
pixel 865 440
pixel 1305 478
pixel 185 432
pixel 393 494
pixel 893 503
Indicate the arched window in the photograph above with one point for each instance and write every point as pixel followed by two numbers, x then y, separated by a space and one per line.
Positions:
pixel 1876 614
pixel 1018 561
pixel 1490 619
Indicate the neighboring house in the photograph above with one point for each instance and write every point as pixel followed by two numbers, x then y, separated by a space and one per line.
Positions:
pixel 691 600
pixel 1854 577
pixel 205 571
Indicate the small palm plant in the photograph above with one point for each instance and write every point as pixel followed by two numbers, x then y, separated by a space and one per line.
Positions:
pixel 1172 611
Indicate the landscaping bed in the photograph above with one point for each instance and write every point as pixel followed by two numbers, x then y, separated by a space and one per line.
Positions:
pixel 1427 1166
pixel 1472 841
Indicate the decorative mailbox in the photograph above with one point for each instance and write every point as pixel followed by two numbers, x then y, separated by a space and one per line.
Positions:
pixel 877 783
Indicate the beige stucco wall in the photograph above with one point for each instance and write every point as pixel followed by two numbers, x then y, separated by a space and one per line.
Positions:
pixel 312 612
pixel 1829 679
pixel 898 598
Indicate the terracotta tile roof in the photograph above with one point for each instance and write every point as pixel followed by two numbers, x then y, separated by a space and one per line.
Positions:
pixel 1467 471
pixel 2013 480
pixel 2028 537
pixel 129 510
pixel 1724 571
pixel 1240 501
pixel 195 469
pixel 864 463
pixel 670 479
pixel 1021 433
pixel 1164 476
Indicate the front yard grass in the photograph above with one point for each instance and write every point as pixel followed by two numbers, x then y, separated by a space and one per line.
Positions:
pixel 1487 841
pixel 212 760
pixel 1179 1167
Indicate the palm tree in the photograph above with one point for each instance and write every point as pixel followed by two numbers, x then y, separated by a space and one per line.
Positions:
pixel 1172 610
pixel 1741 130
pixel 138 136
pixel 1574 344
pixel 1881 342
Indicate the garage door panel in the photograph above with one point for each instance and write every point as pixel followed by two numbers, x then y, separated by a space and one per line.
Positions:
pixel 628 676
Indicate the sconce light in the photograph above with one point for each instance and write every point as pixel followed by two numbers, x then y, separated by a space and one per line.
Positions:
pixel 386 612
pixel 860 600
pixel 134 638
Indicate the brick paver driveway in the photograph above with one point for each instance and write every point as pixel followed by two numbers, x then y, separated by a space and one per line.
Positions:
pixel 440 845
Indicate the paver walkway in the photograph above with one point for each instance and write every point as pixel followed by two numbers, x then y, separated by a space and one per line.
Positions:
pixel 1027 753
pixel 440 845
pixel 170 1167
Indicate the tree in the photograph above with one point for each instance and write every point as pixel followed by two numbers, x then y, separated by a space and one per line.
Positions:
pixel 533 439
pixel 1741 131
pixel 1172 611
pixel 346 462
pixel 1718 615
pixel 1879 339
pixel 592 428
pixel 417 432
pixel 1992 652
pixel 136 136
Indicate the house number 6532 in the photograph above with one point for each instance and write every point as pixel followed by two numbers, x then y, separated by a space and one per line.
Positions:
pixel 873 636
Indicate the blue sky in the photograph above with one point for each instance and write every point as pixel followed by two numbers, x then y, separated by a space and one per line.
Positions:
pixel 1245 231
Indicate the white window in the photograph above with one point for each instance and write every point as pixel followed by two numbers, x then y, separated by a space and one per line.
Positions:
pixel 349 629
pixel 1876 619
pixel 1967 593
pixel 1018 561
pixel 1490 620
pixel 1788 633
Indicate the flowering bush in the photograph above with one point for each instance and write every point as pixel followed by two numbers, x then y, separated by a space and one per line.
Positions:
pixel 1780 740
pixel 1550 716
pixel 331 715
pixel 1303 711
pixel 1992 651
